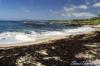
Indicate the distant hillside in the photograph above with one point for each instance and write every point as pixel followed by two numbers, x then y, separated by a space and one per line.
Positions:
pixel 91 21
pixel 79 22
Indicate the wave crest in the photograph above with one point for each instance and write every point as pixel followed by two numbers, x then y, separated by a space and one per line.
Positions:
pixel 16 37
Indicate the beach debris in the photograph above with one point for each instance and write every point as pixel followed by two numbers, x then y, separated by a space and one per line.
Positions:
pixel 27 61
pixel 56 58
pixel 44 52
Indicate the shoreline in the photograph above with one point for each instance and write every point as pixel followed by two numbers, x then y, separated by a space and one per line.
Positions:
pixel 48 39
pixel 19 37
pixel 37 42
pixel 60 52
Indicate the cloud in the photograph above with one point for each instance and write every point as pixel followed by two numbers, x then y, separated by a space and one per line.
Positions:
pixel 83 14
pixel 87 2
pixel 26 10
pixel 73 11
pixel 83 7
pixel 96 5
pixel 77 12
pixel 94 1
pixel 69 8
pixel 75 7
pixel 62 14
pixel 50 10
pixel 54 12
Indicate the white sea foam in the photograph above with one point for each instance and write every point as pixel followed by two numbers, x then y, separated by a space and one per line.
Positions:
pixel 79 30
pixel 17 37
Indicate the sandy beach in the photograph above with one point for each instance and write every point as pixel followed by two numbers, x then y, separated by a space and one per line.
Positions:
pixel 54 50
pixel 49 32
pixel 47 40
pixel 50 38
pixel 37 42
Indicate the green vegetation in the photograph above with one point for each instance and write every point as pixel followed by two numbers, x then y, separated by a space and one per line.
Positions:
pixel 91 21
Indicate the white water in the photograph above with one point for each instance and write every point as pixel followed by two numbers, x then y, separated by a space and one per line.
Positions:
pixel 17 37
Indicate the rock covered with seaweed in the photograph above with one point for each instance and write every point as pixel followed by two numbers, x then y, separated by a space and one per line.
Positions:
pixel 61 52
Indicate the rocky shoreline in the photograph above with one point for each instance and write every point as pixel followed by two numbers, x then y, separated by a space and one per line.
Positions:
pixel 61 52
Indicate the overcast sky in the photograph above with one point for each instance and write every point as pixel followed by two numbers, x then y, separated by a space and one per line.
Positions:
pixel 48 9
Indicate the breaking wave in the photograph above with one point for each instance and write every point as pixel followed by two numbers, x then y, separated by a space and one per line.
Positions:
pixel 17 37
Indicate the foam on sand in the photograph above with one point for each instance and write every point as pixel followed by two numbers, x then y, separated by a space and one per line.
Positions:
pixel 80 30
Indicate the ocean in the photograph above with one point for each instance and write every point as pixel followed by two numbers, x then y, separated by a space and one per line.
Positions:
pixel 20 31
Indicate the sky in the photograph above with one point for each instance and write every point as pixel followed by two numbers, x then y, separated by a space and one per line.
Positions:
pixel 48 9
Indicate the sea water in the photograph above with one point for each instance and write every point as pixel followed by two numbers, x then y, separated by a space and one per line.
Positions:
pixel 20 31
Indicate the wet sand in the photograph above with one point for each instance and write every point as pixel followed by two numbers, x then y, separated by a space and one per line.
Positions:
pixel 47 40
pixel 37 42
